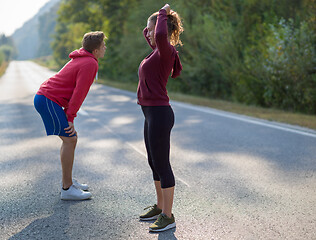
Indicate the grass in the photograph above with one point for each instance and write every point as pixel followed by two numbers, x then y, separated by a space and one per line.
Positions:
pixel 129 86
pixel 303 120
pixel 47 61
pixel 3 67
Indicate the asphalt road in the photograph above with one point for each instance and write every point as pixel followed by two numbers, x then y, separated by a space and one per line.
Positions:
pixel 236 177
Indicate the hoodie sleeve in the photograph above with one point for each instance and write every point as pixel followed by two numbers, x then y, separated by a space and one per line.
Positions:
pixel 161 34
pixel 163 45
pixel 85 78
pixel 177 67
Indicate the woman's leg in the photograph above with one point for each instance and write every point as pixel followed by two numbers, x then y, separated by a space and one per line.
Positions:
pixel 67 153
pixel 159 141
pixel 164 198
pixel 147 114
pixel 167 194
pixel 160 202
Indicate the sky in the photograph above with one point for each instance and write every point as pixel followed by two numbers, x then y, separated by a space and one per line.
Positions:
pixel 14 13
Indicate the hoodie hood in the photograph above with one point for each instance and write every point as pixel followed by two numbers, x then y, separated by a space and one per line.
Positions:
pixel 177 66
pixel 81 53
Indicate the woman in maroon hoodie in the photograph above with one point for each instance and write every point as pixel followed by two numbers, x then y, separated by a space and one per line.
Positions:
pixel 162 34
pixel 59 99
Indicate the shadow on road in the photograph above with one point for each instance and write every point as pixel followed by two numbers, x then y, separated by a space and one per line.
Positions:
pixel 217 157
pixel 167 235
pixel 55 226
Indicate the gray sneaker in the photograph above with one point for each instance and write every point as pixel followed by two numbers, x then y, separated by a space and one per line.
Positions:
pixel 151 214
pixel 163 223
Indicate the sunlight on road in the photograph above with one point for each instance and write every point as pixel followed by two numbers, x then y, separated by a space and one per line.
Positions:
pixel 28 148
pixel 119 121
pixel 119 98
pixel 235 178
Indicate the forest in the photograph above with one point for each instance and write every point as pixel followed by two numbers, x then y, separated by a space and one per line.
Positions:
pixel 7 51
pixel 250 51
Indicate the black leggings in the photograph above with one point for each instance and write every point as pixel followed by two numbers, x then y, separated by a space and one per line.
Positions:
pixel 159 121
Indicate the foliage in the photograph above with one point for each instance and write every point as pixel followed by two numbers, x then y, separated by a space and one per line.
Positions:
pixel 46 28
pixel 290 60
pixel 7 49
pixel 2 57
pixel 252 51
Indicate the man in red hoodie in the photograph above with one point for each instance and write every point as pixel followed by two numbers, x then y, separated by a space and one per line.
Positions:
pixel 59 99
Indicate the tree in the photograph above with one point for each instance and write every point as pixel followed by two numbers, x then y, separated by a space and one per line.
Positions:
pixel 46 29
pixel 7 49
pixel 229 52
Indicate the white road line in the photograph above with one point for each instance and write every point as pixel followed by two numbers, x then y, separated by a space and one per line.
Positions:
pixel 83 112
pixel 243 119
pixel 208 111
pixel 308 132
pixel 135 148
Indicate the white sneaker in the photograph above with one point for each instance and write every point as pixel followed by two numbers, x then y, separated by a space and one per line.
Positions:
pixel 74 193
pixel 81 186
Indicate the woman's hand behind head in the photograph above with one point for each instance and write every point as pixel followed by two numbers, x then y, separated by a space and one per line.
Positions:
pixel 167 8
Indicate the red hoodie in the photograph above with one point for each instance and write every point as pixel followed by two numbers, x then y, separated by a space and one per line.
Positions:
pixel 155 69
pixel 70 86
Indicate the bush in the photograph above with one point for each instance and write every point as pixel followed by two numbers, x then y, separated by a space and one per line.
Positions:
pixel 8 52
pixel 289 63
pixel 2 58
pixel 279 68
pixel 235 50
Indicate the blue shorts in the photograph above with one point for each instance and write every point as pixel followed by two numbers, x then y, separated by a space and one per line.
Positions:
pixel 53 116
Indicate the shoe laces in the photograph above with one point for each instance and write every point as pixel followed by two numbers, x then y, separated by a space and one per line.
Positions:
pixel 74 181
pixel 160 219
pixel 75 186
pixel 149 207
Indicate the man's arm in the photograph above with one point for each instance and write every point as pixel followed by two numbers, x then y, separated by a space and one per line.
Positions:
pixel 85 78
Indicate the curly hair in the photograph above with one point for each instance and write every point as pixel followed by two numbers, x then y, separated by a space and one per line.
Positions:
pixel 175 27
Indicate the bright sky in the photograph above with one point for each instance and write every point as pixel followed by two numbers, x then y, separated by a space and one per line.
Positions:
pixel 13 13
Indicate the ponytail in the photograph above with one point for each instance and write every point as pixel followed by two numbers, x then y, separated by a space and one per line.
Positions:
pixel 174 28
pixel 174 24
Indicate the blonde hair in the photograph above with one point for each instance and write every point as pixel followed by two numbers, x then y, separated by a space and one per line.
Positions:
pixel 174 24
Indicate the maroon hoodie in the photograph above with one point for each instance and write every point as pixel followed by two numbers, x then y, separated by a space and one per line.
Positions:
pixel 155 69
pixel 70 86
